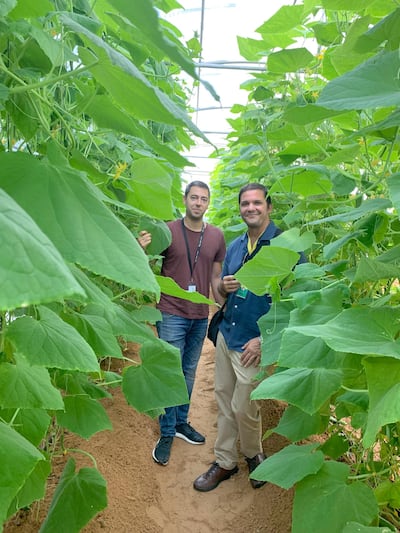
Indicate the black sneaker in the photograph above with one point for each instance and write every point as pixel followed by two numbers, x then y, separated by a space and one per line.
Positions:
pixel 187 433
pixel 162 450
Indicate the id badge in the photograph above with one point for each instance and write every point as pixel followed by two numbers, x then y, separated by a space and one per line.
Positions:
pixel 192 288
pixel 242 292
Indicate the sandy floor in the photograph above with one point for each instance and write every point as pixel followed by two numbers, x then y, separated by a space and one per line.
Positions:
pixel 144 497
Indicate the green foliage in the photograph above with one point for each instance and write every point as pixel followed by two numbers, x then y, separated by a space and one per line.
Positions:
pixel 322 133
pixel 92 119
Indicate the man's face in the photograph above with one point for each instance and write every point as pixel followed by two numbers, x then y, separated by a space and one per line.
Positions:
pixel 196 202
pixel 254 209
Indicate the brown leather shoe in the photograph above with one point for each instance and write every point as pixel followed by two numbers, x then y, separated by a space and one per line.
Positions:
pixel 213 477
pixel 252 464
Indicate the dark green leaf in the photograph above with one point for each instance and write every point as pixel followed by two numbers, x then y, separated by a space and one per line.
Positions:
pixel 31 423
pixel 52 343
pixel 307 389
pixel 27 387
pixel 28 9
pixel 83 416
pixel 290 465
pixel 33 489
pixel 18 458
pixel 96 239
pixel 290 60
pixel 353 501
pixel 297 425
pixel 84 492
pixel 31 268
pixel 372 84
pixel 157 381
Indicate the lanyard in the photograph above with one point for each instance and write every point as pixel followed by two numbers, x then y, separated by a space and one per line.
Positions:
pixel 196 256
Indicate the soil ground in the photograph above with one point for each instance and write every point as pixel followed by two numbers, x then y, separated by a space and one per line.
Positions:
pixel 144 497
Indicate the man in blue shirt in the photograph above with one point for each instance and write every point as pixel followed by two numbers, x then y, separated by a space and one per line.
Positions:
pixel 238 348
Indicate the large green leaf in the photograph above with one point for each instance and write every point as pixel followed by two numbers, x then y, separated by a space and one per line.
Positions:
pixel 286 18
pixel 308 389
pixel 149 176
pixel 83 416
pixel 394 190
pixel 292 240
pixel 269 265
pixel 352 501
pixel 306 114
pixel 342 155
pixel 334 247
pixel 157 381
pixel 53 48
pixel 271 327
pixel 373 331
pixel 169 286
pixel 160 234
pixel 31 268
pixel 352 212
pixel 345 56
pixel 300 148
pixel 374 270
pixel 372 84
pixel 349 5
pixel 383 376
pixel 307 182
pixel 26 9
pixel 30 423
pixel 27 387
pixel 67 209
pixel 145 17
pixel 33 489
pixel 107 115
pixel 290 60
pixel 6 6
pixel 297 425
pixel 23 111
pixel 127 84
pixel 126 326
pixel 290 465
pixel 18 458
pixel 51 342
pixel 97 332
pixel 298 350
pixel 123 322
pixel 384 31
pixel 79 496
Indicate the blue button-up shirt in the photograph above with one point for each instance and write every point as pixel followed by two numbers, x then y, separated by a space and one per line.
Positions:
pixel 241 314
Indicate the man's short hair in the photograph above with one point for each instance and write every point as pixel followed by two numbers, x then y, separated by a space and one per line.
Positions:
pixel 255 187
pixel 196 183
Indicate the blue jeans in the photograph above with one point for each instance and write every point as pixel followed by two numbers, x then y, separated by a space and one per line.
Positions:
pixel 187 335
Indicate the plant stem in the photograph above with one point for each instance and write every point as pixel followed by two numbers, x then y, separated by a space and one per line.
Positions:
pixel 44 83
pixel 84 452
pixel 373 474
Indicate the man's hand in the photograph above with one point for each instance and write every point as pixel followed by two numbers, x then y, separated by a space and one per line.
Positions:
pixel 144 239
pixel 251 355
pixel 228 284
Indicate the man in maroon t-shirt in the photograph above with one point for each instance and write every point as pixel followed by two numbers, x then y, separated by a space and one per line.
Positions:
pixel 194 260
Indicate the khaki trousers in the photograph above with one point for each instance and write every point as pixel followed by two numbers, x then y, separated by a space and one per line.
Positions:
pixel 239 417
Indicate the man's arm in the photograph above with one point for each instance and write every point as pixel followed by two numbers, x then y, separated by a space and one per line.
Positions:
pixel 215 281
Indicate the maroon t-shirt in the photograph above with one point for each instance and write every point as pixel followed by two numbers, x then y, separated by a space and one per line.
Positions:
pixel 176 266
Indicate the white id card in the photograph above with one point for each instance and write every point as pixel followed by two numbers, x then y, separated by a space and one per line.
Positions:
pixel 192 288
